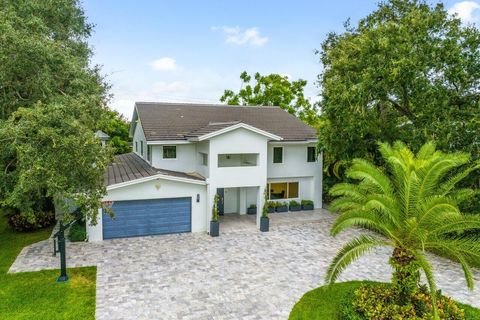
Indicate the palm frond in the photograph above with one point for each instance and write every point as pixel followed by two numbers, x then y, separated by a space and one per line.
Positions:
pixel 367 172
pixel 427 270
pixel 351 252
pixel 460 223
pixel 362 218
pixel 448 186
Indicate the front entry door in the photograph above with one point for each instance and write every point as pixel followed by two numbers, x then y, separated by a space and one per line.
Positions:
pixel 221 200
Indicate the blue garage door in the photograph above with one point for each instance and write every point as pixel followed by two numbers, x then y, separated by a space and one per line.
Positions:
pixel 148 217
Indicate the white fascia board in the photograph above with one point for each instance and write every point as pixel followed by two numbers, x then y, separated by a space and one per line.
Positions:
pixel 168 142
pixel 237 126
pixel 157 176
pixel 295 142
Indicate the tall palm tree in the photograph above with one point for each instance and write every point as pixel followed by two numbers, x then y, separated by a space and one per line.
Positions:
pixel 413 205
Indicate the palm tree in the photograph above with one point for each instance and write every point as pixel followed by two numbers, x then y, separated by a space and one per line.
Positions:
pixel 413 206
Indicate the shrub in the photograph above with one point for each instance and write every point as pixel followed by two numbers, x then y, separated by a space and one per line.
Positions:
pixel 23 223
pixel 280 204
pixel 294 203
pixel 77 232
pixel 271 204
pixel 253 206
pixel 379 302
pixel 307 203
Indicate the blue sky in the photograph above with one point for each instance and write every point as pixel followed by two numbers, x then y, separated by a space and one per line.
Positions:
pixel 190 51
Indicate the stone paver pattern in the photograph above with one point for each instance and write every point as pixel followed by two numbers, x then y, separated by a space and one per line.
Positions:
pixel 245 274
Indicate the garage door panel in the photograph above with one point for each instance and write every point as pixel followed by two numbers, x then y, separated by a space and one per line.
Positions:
pixel 148 217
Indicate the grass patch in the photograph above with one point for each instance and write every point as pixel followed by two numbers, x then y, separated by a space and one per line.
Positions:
pixel 327 302
pixel 36 295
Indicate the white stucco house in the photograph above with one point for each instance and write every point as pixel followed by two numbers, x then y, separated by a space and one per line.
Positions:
pixel 184 154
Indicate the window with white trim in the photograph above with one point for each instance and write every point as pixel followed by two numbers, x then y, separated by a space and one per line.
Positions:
pixel 169 152
pixel 277 154
pixel 283 190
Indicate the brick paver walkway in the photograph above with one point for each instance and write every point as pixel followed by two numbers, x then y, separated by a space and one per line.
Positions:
pixel 242 274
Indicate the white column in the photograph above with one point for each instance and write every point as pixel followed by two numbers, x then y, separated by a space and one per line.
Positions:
pixel 95 232
pixel 243 200
pixel 260 201
pixel 317 183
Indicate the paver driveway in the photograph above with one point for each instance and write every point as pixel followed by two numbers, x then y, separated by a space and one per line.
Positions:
pixel 240 275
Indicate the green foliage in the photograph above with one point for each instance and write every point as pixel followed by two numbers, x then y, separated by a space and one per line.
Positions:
pixel 335 302
pixel 52 101
pixel 42 219
pixel 307 203
pixel 293 203
pixel 280 204
pixel 215 208
pixel 253 206
pixel 77 231
pixel 265 204
pixel 117 127
pixel 51 153
pixel 271 204
pixel 274 90
pixel 408 71
pixel 379 302
pixel 413 205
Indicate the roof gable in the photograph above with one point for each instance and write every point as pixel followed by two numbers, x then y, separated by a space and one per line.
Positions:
pixel 218 130
pixel 174 121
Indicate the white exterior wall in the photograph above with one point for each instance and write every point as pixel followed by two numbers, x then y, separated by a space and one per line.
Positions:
pixel 202 147
pixel 139 136
pixel 296 168
pixel 158 189
pixel 185 161
pixel 237 141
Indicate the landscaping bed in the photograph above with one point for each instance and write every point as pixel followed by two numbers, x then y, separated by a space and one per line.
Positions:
pixel 331 302
pixel 37 295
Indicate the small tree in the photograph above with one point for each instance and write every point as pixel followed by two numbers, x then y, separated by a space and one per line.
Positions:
pixel 215 209
pixel 414 207
pixel 265 204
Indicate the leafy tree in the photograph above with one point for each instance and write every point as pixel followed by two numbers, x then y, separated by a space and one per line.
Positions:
pixel 273 90
pixel 407 71
pixel 117 127
pixel 414 207
pixel 52 155
pixel 51 99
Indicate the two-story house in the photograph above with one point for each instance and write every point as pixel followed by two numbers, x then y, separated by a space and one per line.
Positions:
pixel 185 154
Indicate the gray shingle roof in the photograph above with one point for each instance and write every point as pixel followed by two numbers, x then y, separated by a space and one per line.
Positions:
pixel 176 121
pixel 129 166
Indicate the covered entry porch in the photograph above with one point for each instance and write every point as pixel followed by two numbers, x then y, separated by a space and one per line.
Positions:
pixel 235 222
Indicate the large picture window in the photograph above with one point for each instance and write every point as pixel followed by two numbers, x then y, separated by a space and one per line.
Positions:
pixel 283 190
pixel 169 152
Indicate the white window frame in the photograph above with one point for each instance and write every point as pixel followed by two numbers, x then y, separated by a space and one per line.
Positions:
pixel 288 190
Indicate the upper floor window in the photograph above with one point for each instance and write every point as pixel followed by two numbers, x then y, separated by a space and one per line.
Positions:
pixel 149 153
pixel 204 158
pixel 141 148
pixel 169 152
pixel 277 154
pixel 311 154
pixel 136 146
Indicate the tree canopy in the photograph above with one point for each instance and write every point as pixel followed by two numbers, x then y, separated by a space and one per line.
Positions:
pixel 52 100
pixel 407 71
pixel 273 90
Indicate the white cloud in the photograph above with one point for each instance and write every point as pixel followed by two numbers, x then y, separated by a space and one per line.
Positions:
pixel 169 87
pixel 466 11
pixel 249 36
pixel 164 64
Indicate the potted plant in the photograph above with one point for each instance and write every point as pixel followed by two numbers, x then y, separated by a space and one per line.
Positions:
pixel 307 205
pixel 281 206
pixel 252 209
pixel 294 206
pixel 214 223
pixel 271 206
pixel 264 220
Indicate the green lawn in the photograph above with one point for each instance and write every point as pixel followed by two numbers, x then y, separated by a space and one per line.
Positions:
pixel 326 302
pixel 36 295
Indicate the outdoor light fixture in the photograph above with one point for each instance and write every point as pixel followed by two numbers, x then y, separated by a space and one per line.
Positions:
pixel 198 197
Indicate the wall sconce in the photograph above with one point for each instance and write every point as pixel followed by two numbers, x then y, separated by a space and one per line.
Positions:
pixel 198 197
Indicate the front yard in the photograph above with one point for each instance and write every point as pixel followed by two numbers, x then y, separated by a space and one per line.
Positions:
pixel 36 295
